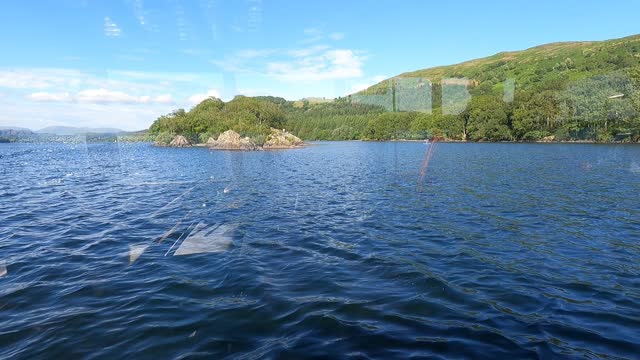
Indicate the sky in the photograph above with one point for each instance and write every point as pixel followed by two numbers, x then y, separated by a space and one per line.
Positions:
pixel 123 63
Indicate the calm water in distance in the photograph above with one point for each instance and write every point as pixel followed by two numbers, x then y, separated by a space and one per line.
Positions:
pixel 503 251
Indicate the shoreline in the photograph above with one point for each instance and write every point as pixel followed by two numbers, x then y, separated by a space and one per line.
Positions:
pixel 306 144
pixel 494 142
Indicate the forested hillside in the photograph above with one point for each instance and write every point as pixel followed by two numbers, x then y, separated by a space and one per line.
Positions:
pixel 573 90
pixel 561 91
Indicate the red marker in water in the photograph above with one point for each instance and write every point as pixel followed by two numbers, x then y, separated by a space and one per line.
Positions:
pixel 425 162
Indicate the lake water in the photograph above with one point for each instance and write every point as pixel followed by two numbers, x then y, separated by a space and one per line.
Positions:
pixel 335 250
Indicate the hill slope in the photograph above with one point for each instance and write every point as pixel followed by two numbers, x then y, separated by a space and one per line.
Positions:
pixel 565 91
pixel 542 67
pixel 562 91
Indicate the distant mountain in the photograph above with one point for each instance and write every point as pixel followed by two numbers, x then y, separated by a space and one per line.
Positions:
pixel 14 128
pixel 69 130
pixel 13 131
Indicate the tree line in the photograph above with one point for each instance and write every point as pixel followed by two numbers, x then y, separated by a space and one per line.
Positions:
pixel 603 108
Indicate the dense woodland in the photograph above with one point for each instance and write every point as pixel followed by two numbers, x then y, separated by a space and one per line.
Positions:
pixel 563 91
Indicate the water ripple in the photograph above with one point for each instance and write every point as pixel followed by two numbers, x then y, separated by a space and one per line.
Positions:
pixel 506 251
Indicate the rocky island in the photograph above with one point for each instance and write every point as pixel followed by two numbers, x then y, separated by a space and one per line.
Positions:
pixel 241 124
pixel 231 140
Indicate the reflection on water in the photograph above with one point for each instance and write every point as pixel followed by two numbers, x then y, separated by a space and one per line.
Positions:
pixel 135 251
pixel 207 239
pixel 508 251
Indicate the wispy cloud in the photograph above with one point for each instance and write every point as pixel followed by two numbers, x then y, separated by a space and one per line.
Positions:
pixel 255 53
pixel 312 35
pixel 164 99
pixel 111 29
pixel 336 36
pixel 104 96
pixel 36 116
pixel 38 78
pixel 308 51
pixel 366 84
pixel 316 62
pixel 192 51
pixel 330 64
pixel 254 20
pixel 182 24
pixel 70 80
pixel 313 62
pixel 317 34
pixel 130 57
pixel 198 98
pixel 138 10
pixel 100 96
pixel 40 97
pixel 253 92
pixel 43 96
pixel 161 77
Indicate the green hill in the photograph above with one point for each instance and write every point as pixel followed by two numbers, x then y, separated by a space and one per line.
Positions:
pixel 566 90
pixel 561 91
pixel 542 67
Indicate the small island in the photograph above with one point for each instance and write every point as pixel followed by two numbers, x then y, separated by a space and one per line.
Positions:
pixel 231 140
pixel 243 123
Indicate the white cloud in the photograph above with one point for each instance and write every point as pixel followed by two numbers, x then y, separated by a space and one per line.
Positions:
pixel 125 99
pixel 104 96
pixel 312 35
pixel 156 76
pixel 68 79
pixel 191 51
pixel 37 116
pixel 111 29
pixel 46 97
pixel 239 61
pixel 312 31
pixel 255 53
pixel 312 63
pixel 41 79
pixel 129 57
pixel 100 96
pixel 254 92
pixel 164 99
pixel 336 36
pixel 363 85
pixel 119 86
pixel 308 51
pixel 313 57
pixel 328 65
pixel 198 98
pixel 38 78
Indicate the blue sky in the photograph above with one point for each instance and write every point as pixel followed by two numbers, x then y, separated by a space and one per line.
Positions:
pixel 122 63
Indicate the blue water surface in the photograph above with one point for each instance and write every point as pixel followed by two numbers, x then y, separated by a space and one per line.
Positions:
pixel 342 250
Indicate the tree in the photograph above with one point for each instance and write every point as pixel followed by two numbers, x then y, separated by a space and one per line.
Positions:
pixel 487 119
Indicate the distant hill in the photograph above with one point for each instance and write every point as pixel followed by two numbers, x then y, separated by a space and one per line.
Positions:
pixel 544 67
pixel 561 91
pixel 15 128
pixel 12 131
pixel 69 130
pixel 569 91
